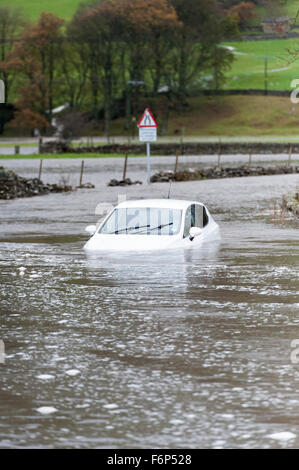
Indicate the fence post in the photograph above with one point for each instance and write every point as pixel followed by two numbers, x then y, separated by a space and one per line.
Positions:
pixel 219 153
pixel 176 161
pixel 182 135
pixel 40 169
pixel 125 166
pixel 249 161
pixel 290 155
pixel 40 143
pixel 81 173
pixel 17 149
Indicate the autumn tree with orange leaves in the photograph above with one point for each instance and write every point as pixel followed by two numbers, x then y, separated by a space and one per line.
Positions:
pixel 35 59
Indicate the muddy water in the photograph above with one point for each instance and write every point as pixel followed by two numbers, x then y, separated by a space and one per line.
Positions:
pixel 185 349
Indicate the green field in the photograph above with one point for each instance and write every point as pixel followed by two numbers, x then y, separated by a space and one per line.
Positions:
pixel 248 69
pixel 33 8
pixel 66 8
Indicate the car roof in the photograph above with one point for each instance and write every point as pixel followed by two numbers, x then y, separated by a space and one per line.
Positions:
pixel 161 203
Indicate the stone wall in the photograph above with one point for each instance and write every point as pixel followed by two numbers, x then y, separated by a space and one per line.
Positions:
pixel 204 148
pixel 225 172
pixel 13 186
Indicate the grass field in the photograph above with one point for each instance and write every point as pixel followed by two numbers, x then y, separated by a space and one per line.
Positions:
pixel 248 69
pixel 33 8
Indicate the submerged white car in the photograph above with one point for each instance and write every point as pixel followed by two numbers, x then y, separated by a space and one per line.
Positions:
pixel 153 224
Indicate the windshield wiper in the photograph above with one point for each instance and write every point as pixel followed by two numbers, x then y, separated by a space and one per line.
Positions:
pixel 137 228
pixel 128 228
pixel 159 227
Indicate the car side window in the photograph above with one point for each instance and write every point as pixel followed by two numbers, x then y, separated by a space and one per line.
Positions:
pixel 189 219
pixel 196 216
pixel 205 218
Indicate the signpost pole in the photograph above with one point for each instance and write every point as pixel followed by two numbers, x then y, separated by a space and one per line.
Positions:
pixel 148 162
pixel 148 133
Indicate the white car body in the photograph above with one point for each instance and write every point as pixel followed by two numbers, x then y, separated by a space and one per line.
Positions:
pixel 177 214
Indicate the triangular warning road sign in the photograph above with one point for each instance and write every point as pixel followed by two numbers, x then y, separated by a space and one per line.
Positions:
pixel 147 120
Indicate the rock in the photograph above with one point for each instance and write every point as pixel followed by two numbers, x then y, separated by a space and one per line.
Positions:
pixel 126 182
pixel 56 146
pixel 86 186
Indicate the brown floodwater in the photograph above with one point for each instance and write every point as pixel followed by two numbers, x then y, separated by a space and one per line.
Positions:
pixel 184 349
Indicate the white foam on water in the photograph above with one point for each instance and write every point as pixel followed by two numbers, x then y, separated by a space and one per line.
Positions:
pixel 45 377
pixel 176 421
pixel 110 406
pixel 227 416
pixel 72 372
pixel 282 436
pixel 46 410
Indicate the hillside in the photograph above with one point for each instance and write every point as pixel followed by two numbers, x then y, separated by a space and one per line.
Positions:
pixel 33 8
pixel 66 8
pixel 231 116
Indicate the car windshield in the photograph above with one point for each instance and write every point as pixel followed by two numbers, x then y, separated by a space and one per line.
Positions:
pixel 143 221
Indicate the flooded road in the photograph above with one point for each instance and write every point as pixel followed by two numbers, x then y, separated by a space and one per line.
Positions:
pixel 190 349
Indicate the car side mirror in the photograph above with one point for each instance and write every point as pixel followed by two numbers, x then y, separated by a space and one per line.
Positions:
pixel 91 229
pixel 194 232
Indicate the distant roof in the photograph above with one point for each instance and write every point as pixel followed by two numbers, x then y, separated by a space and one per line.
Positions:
pixel 163 203
pixel 275 20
